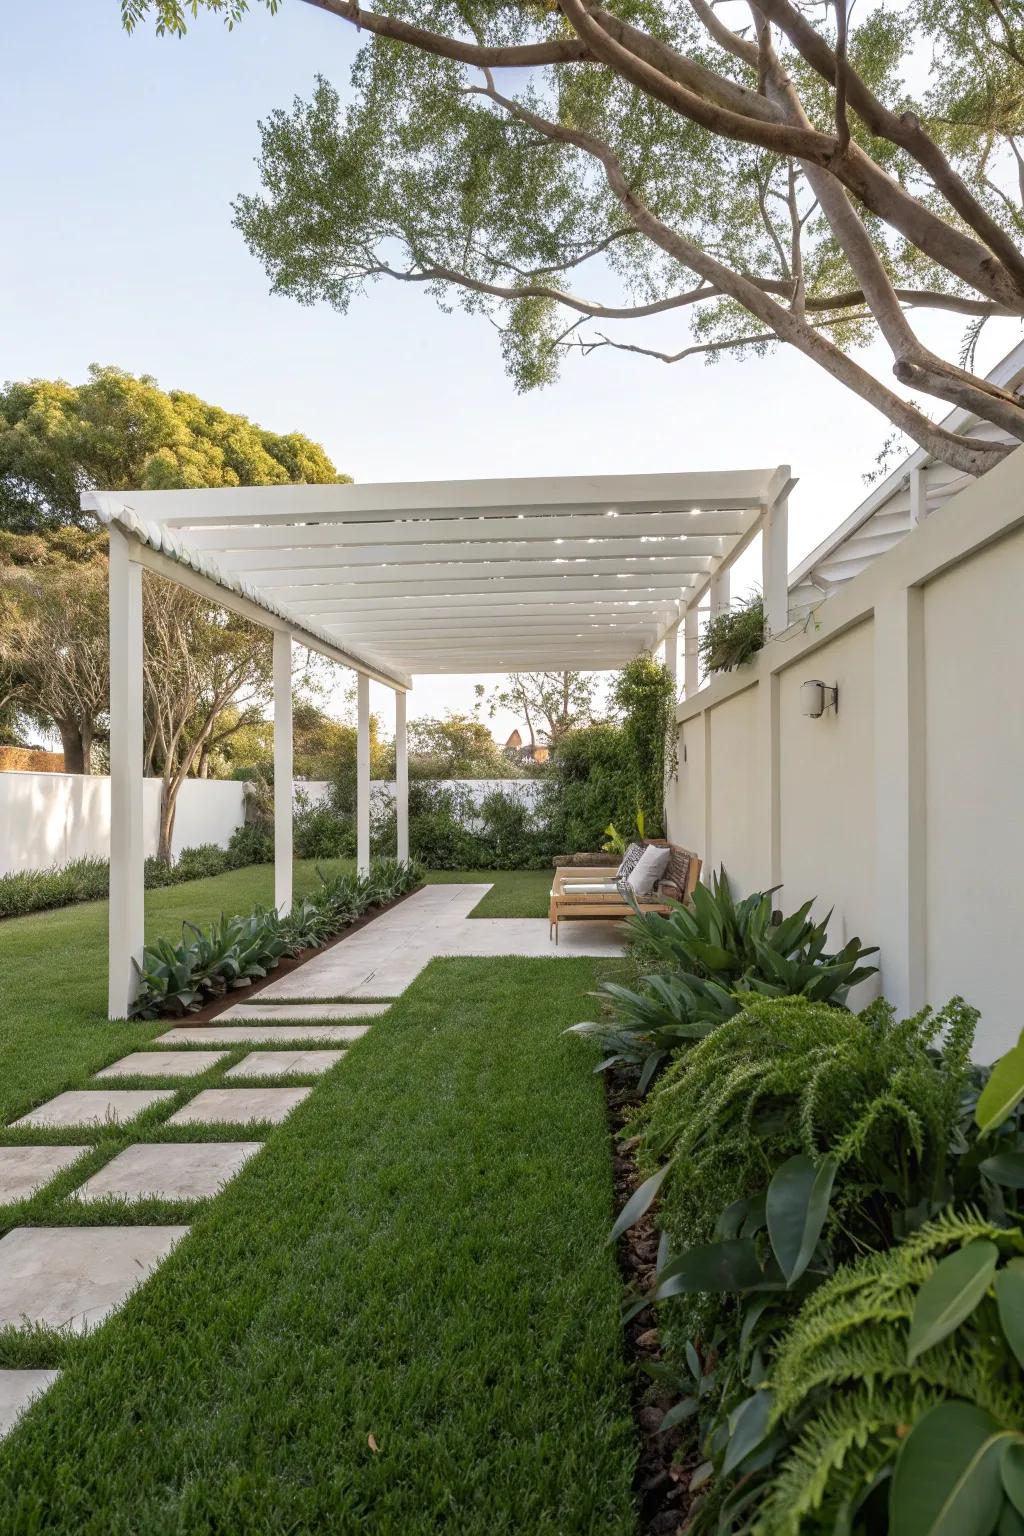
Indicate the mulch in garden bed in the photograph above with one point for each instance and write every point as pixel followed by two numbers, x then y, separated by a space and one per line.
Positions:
pixel 664 1469
pixel 286 966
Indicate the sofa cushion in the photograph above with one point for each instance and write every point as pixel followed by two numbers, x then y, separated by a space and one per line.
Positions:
pixel 630 859
pixel 651 866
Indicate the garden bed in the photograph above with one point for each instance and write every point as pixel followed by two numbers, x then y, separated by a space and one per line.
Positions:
pixel 290 963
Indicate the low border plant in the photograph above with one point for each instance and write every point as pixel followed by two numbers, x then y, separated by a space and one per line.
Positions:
pixel 177 979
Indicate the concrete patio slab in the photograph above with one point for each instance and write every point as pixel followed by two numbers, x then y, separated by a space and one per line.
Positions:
pixel 74 1277
pixel 188 1170
pixel 254 1034
pixel 386 956
pixel 266 1013
pixel 17 1390
pixel 284 1063
pixel 23 1170
pixel 238 1106
pixel 86 1106
pixel 163 1064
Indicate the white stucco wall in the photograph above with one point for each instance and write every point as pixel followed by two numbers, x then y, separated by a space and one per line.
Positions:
pixel 904 811
pixel 52 818
pixel 827 788
pixel 974 796
pixel 737 805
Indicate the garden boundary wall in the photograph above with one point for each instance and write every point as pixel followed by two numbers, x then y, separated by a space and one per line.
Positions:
pixel 52 818
pixel 902 810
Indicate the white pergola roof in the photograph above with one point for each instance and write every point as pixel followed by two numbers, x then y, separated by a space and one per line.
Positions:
pixel 464 575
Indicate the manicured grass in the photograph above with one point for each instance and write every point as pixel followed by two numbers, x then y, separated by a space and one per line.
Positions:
pixel 53 1025
pixel 417 1256
pixel 514 893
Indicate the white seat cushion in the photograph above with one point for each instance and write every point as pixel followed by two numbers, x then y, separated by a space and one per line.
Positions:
pixel 648 872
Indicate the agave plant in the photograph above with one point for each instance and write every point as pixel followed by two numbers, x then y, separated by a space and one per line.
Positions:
pixel 707 957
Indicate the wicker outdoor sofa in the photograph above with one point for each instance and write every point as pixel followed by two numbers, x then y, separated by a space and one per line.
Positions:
pixel 594 893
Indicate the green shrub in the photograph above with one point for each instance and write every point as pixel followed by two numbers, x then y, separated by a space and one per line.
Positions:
pixel 200 863
pixel 320 832
pixel 734 637
pixel 706 958
pixel 158 873
pixel 252 843
pixel 39 889
pixel 176 979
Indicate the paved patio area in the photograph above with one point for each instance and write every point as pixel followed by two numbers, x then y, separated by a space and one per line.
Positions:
pixel 386 956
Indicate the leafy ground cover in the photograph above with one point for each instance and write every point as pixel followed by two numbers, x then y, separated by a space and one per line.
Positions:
pixel 53 1025
pixel 401 1316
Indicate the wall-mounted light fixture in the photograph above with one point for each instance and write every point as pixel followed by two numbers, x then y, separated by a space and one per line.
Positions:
pixel 816 697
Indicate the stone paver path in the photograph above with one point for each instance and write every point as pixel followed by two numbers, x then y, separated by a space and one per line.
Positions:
pixel 254 1034
pixel 23 1170
pixel 383 958
pixel 285 1063
pixel 163 1064
pixel 74 1277
pixel 17 1390
pixel 239 1106
pixel 265 1013
pixel 187 1170
pixel 84 1106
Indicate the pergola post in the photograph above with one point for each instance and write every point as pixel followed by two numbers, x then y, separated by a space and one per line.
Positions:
pixel 775 565
pixel 720 591
pixel 401 780
pixel 671 645
pixel 691 660
pixel 363 774
pixel 127 852
pixel 283 785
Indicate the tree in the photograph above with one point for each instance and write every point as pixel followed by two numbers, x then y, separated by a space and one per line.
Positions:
pixel 551 703
pixel 53 638
pixel 118 432
pixel 198 661
pixel 457 747
pixel 762 171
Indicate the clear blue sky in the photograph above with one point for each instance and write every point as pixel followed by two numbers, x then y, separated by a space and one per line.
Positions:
pixel 122 157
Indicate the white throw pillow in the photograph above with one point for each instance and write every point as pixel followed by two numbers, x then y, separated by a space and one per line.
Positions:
pixel 652 865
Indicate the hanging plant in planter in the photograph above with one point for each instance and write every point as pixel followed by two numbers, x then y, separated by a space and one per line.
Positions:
pixel 731 639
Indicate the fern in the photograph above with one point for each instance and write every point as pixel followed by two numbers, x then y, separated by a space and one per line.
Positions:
pixel 842 1382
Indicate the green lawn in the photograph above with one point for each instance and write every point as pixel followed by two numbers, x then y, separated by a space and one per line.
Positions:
pixel 417 1256
pixel 53 1025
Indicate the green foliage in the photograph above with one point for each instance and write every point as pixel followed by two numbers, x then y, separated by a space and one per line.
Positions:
pixel 707 958
pixel 847 1384
pixel 733 637
pixel 201 862
pixel 644 694
pixel 177 979
pixel 252 843
pixel 320 832
pixel 121 432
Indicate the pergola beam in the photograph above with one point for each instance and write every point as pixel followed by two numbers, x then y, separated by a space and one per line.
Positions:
pixel 455 575
pixel 256 565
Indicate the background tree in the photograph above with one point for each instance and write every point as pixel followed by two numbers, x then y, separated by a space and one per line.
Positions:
pixel 455 747
pixel 762 171
pixel 551 703
pixel 117 432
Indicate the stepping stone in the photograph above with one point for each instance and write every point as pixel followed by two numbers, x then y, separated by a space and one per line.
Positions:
pixel 188 1170
pixel 23 1170
pixel 84 1106
pixel 254 1034
pixel 74 1277
pixel 237 1106
pixel 267 1012
pixel 17 1390
pixel 284 1063
pixel 163 1064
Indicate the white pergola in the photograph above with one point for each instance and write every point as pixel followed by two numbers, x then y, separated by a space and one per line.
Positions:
pixel 575 572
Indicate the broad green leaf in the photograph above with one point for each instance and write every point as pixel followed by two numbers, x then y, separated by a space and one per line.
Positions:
pixel 717 1267
pixel 947 1480
pixel 796 1207
pixel 1011 1467
pixel 1005 1168
pixel 748 1426
pixel 1003 1091
pixel 639 1203
pixel 1010 1523
pixel 1010 1301
pixel 684 1409
pixel 951 1293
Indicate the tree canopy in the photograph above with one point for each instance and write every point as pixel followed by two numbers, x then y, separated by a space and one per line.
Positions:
pixel 752 173
pixel 121 432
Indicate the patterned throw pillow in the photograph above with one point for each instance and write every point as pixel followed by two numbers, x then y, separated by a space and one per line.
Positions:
pixel 630 859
